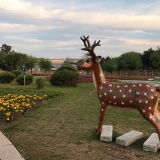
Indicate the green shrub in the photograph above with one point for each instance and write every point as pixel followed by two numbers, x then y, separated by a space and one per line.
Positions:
pixel 65 76
pixel 16 72
pixel 28 79
pixel 40 83
pixel 6 77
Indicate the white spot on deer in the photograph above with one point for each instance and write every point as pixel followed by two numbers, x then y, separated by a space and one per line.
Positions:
pixel 102 109
pixel 115 103
pixel 114 97
pixel 134 85
pixel 131 101
pixel 130 90
pixel 149 108
pixel 101 87
pixel 146 101
pixel 110 85
pixel 150 117
pixel 143 110
pixel 105 94
pixel 126 86
pixel 110 90
pixel 137 93
pixel 140 101
pixel 152 90
pixel 124 95
pixel 110 102
pixel 148 85
pixel 118 86
pixel 104 82
pixel 140 84
pixel 100 95
pixel 101 74
pixel 102 102
pixel 152 97
pixel 120 90
pixel 145 93
pixel 122 103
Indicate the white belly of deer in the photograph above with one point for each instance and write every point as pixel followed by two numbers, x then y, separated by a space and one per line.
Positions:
pixel 127 95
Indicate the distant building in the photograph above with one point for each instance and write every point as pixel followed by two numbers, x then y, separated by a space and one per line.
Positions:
pixel 57 63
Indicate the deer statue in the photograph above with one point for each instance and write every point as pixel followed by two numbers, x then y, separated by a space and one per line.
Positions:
pixel 141 96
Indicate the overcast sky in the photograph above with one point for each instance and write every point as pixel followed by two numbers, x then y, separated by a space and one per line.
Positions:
pixel 52 28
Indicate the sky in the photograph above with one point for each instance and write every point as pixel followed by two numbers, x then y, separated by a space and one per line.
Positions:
pixel 52 28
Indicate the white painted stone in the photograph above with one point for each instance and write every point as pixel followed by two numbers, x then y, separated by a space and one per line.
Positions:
pixel 106 134
pixel 152 144
pixel 129 138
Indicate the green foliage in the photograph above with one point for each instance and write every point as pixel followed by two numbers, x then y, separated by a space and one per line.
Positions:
pixel 146 58
pixel 39 83
pixel 65 76
pixel 6 77
pixel 155 58
pixel 28 79
pixel 14 61
pixel 6 48
pixel 16 72
pixel 130 61
pixel 31 61
pixel 109 64
pixel 45 64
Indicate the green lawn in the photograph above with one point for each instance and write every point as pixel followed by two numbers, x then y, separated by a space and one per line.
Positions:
pixel 64 127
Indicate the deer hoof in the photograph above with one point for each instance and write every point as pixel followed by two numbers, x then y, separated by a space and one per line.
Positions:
pixel 98 132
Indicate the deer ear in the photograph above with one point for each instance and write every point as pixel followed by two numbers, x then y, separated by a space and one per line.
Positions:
pixel 98 59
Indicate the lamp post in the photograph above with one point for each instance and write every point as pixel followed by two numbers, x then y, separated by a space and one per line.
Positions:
pixel 23 71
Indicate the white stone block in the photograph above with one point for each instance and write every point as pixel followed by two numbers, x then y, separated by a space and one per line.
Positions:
pixel 106 134
pixel 152 144
pixel 129 138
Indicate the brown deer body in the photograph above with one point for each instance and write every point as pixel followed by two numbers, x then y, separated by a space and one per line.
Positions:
pixel 141 96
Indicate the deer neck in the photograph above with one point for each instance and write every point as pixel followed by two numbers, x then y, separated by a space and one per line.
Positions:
pixel 98 76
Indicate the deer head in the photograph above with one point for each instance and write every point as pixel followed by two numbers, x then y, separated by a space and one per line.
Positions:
pixel 90 62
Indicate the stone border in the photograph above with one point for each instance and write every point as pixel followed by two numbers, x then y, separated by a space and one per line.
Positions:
pixel 7 149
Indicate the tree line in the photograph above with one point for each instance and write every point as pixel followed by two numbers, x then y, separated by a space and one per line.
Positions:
pixel 11 60
pixel 148 60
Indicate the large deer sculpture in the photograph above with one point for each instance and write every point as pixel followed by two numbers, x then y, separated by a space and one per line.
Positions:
pixel 141 96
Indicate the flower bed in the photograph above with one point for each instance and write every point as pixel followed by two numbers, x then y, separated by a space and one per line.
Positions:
pixel 11 104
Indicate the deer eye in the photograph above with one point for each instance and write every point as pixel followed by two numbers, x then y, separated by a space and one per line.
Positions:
pixel 87 60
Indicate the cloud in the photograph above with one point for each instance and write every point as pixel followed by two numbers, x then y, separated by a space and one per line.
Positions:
pixel 49 26
pixel 7 27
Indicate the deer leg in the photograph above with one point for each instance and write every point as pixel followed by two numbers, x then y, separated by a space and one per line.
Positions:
pixel 101 118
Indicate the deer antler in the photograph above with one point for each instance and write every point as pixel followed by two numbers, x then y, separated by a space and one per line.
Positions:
pixel 88 47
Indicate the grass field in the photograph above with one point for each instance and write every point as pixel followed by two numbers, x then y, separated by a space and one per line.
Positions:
pixel 64 127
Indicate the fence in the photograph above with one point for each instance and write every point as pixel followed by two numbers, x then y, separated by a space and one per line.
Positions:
pixel 128 73
pixel 125 75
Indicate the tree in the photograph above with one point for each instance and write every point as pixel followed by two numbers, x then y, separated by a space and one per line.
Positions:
pixel 155 58
pixel 130 61
pixel 31 61
pixel 14 61
pixel 2 62
pixel 45 64
pixel 108 64
pixel 146 58
pixel 6 48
